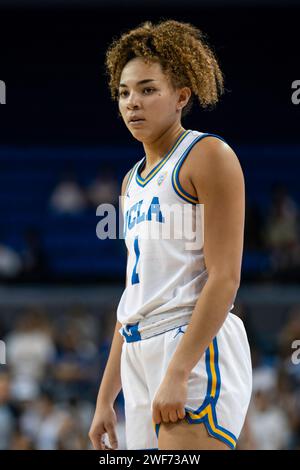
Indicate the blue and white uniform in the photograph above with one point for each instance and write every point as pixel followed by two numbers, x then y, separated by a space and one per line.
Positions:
pixel 166 271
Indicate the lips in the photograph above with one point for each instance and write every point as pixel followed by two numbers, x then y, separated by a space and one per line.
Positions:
pixel 135 119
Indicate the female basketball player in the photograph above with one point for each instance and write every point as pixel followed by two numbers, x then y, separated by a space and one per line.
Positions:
pixel 178 352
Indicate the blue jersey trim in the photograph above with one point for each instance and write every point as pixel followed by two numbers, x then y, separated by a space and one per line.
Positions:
pixel 206 413
pixel 143 181
pixel 182 193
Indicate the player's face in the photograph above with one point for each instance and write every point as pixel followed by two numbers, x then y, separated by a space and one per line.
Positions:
pixel 146 92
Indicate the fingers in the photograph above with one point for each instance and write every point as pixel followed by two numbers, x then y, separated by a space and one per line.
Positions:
pixel 181 412
pixel 97 441
pixel 173 416
pixel 156 415
pixel 112 436
pixel 167 415
pixel 107 448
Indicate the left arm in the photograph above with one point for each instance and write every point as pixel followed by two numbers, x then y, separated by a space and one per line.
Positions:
pixel 217 177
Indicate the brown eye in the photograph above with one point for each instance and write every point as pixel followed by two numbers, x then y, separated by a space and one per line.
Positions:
pixel 148 89
pixel 122 93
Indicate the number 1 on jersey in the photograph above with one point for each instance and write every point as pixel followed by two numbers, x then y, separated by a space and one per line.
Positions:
pixel 135 277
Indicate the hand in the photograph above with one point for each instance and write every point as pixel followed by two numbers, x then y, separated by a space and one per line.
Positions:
pixel 169 400
pixel 104 421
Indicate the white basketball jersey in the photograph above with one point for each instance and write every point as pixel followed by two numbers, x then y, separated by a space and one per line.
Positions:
pixel 163 231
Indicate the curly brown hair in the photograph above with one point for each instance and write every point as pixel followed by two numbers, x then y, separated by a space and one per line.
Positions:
pixel 180 48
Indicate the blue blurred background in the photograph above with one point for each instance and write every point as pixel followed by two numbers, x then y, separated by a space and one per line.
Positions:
pixel 64 151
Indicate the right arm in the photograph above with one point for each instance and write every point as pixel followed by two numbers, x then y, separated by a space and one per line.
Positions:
pixel 105 420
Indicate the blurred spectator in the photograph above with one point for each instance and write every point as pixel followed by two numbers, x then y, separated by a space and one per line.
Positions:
pixel 288 399
pixel 70 436
pixel 268 424
pixel 47 399
pixel 7 421
pixel 21 441
pixel 68 197
pixel 83 321
pixel 49 403
pixel 24 388
pixel 43 422
pixel 281 232
pixel 10 263
pixel 29 347
pixel 104 189
pixel 74 431
pixel 75 365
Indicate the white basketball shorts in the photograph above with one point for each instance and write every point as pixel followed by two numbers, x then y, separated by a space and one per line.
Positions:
pixel 219 386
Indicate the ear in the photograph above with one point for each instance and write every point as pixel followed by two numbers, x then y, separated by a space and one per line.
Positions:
pixel 183 97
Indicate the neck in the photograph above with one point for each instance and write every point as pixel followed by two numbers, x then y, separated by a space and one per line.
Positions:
pixel 158 148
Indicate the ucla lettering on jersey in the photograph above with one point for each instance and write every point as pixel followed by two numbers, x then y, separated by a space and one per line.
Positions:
pixel 134 215
pixel 163 232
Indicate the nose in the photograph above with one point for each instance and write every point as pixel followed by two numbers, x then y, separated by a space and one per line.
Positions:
pixel 133 101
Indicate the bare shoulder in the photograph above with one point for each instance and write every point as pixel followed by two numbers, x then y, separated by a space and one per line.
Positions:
pixel 212 153
pixel 213 163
